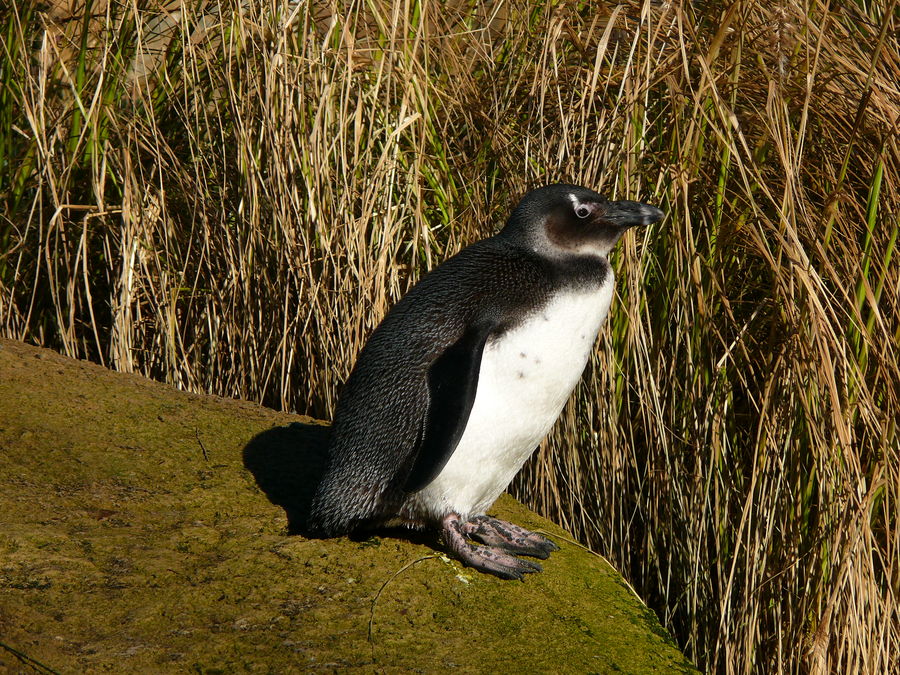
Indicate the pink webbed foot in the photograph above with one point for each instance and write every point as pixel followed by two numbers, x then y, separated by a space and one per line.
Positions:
pixel 493 558
pixel 508 537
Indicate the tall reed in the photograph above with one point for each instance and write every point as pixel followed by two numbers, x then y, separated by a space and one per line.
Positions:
pixel 228 196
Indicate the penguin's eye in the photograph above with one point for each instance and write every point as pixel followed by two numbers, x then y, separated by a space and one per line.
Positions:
pixel 582 211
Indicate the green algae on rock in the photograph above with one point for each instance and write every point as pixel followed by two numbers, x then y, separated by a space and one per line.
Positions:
pixel 133 539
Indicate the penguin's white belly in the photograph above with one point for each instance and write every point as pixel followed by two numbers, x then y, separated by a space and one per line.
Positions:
pixel 526 377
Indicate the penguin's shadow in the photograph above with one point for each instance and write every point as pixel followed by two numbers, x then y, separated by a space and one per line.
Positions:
pixel 288 464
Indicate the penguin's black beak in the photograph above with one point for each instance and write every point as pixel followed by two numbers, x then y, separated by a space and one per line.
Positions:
pixel 627 214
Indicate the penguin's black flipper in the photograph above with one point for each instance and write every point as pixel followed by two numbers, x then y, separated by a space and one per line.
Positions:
pixel 452 382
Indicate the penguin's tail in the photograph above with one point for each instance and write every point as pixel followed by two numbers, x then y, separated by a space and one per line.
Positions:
pixel 341 507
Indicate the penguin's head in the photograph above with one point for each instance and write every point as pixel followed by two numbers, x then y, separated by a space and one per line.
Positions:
pixel 570 220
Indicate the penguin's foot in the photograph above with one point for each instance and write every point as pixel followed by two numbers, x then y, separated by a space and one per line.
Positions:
pixel 508 537
pixel 483 558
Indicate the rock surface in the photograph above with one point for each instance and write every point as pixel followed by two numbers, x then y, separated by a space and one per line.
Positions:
pixel 133 539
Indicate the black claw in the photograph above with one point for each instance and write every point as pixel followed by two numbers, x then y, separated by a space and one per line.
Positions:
pixel 533 566
pixel 508 574
pixel 540 550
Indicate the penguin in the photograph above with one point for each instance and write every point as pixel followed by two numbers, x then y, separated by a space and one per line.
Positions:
pixel 467 373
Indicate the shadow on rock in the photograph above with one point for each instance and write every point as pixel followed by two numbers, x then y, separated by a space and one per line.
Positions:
pixel 288 463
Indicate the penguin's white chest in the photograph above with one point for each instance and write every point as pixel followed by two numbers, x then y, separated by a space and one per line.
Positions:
pixel 526 377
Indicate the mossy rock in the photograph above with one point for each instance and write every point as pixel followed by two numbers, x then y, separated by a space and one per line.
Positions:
pixel 133 539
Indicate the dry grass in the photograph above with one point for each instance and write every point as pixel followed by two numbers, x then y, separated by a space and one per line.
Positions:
pixel 228 196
